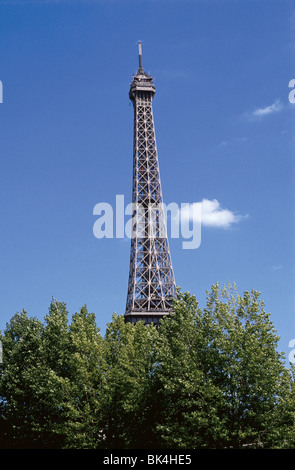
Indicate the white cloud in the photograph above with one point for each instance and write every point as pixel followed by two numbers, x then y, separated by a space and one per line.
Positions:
pixel 211 215
pixel 276 267
pixel 273 108
pixel 237 140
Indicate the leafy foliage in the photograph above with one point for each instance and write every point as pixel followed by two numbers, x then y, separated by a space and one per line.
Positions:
pixel 206 378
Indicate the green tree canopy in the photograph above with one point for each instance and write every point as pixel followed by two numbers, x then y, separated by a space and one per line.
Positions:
pixel 207 377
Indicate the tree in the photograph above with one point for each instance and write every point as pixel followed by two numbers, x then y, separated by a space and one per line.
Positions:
pixel 21 418
pixel 245 364
pixel 84 383
pixel 221 378
pixel 283 434
pixel 128 351
pixel 51 380
pixel 186 398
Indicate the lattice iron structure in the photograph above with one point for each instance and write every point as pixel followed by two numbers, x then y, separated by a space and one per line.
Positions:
pixel 151 285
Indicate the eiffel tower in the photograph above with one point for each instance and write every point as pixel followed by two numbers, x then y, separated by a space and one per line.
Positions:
pixel 151 285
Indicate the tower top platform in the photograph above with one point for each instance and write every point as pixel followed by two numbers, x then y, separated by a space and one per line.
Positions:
pixel 142 82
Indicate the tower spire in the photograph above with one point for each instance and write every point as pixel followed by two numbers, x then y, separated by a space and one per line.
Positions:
pixel 151 285
pixel 140 54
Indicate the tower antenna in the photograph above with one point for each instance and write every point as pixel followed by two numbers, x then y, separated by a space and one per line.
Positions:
pixel 140 54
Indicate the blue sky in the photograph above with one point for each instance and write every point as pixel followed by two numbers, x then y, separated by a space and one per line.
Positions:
pixel 225 134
